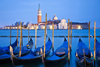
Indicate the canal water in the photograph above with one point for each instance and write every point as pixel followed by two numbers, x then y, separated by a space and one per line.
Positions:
pixel 58 40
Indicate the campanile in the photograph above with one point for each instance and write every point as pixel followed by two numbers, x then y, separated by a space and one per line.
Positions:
pixel 39 16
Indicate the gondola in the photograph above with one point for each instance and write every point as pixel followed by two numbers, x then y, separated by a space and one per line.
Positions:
pixel 59 56
pixel 98 51
pixel 33 56
pixel 6 58
pixel 24 49
pixel 83 55
pixel 5 50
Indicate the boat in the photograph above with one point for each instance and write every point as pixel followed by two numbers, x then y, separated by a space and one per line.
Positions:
pixel 5 50
pixel 59 56
pixel 84 57
pixel 33 56
pixel 6 58
pixel 98 51
pixel 24 49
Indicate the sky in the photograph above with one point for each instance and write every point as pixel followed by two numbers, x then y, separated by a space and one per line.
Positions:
pixel 12 11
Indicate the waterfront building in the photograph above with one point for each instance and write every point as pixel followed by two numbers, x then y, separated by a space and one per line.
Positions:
pixel 15 26
pixel 62 24
pixel 49 23
pixel 41 25
pixel 49 26
pixel 77 25
pixel 12 27
pixel 32 26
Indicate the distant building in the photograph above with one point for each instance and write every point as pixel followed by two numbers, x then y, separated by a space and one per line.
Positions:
pixel 55 17
pixel 58 24
pixel 49 23
pixel 8 27
pixel 39 16
pixel 77 25
pixel 32 26
pixel 63 24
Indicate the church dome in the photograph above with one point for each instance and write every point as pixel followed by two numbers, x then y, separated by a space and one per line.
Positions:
pixel 55 17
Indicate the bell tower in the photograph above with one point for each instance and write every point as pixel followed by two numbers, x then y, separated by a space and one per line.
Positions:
pixel 39 16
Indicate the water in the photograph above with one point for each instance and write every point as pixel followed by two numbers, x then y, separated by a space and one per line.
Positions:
pixel 5 41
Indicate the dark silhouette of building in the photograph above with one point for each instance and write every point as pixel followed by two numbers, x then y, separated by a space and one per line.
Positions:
pixel 77 25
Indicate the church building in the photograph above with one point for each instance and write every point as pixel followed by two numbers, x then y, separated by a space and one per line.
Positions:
pixel 62 24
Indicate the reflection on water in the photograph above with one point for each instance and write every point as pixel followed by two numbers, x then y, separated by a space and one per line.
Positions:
pixel 5 41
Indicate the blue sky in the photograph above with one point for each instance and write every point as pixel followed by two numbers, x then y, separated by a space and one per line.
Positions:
pixel 12 11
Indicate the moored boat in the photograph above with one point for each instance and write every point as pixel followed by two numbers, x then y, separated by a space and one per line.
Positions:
pixel 6 58
pixel 59 56
pixel 33 56
pixel 84 56
pixel 98 51
pixel 24 49
pixel 5 50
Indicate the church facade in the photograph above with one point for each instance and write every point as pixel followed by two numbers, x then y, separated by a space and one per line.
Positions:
pixel 62 24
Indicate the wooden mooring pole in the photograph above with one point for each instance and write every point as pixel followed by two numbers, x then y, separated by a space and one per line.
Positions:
pixel 84 57
pixel 71 36
pixel 20 38
pixel 28 34
pixel 53 37
pixel 17 33
pixel 94 41
pixel 10 35
pixel 35 36
pixel 68 42
pixel 89 34
pixel 45 34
